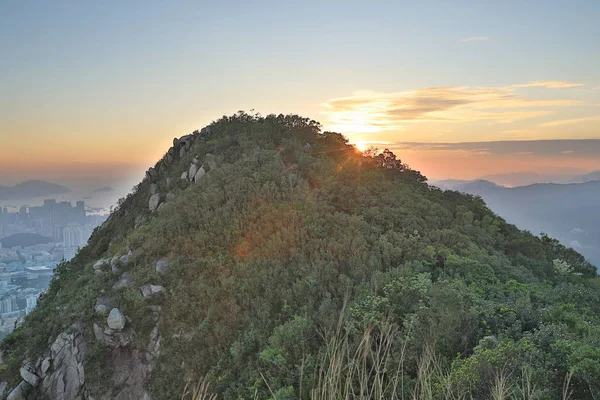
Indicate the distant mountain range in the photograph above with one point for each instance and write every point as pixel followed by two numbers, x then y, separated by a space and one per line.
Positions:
pixel 31 189
pixel 529 178
pixel 569 212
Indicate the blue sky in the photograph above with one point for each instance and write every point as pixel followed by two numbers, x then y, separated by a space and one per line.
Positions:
pixel 113 82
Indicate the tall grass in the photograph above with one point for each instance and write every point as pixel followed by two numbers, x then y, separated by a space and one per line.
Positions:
pixel 199 391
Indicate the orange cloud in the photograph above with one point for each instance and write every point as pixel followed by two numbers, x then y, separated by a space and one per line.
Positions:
pixel 550 84
pixel 369 111
pixel 570 121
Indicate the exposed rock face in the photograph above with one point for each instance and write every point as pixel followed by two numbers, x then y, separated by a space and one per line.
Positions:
pixel 154 202
pixel 184 176
pixel 66 376
pixel 162 265
pixel 116 319
pixel 153 188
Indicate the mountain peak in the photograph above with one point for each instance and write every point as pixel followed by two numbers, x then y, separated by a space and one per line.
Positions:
pixel 257 244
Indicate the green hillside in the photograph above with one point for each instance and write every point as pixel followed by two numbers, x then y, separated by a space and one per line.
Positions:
pixel 297 267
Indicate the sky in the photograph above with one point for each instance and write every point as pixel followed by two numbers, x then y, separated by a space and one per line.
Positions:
pixel 457 89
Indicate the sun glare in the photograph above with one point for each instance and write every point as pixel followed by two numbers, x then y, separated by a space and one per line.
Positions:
pixel 362 146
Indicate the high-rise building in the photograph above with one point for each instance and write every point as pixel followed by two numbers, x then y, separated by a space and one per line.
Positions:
pixel 73 236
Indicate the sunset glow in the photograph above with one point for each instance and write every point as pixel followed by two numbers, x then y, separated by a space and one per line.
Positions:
pixel 476 79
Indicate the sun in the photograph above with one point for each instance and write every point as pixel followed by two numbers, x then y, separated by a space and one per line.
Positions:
pixel 361 146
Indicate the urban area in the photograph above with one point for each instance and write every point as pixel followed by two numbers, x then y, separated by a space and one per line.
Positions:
pixel 33 241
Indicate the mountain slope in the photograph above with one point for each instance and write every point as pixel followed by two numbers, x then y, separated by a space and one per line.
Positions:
pixel 31 189
pixel 263 254
pixel 566 211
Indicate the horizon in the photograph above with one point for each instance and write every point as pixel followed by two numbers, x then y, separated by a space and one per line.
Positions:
pixel 99 92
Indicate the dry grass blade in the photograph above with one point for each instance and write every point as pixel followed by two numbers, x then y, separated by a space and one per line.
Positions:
pixel 199 391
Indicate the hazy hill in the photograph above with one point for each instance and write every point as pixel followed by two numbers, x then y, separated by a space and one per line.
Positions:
pixel 530 178
pixel 570 212
pixel 23 240
pixel 31 189
pixel 271 260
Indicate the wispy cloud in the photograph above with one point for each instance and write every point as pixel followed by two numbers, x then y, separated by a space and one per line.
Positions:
pixel 474 39
pixel 570 121
pixel 589 148
pixel 376 111
pixel 550 84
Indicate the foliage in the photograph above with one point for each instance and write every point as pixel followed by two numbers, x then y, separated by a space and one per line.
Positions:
pixel 300 267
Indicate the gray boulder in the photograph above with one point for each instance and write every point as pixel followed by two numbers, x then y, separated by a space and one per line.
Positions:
pixel 151 174
pixel 153 188
pixel 102 263
pixel 162 265
pixel 116 319
pixel 29 376
pixel 185 138
pixel 154 202
pixel 192 171
pixel 3 386
pixel 184 176
pixel 124 259
pixel 201 172
pixel 149 290
pixel 182 151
